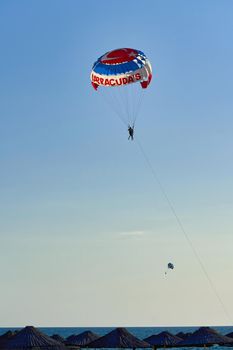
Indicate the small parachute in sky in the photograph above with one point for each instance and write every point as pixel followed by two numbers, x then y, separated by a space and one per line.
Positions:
pixel 122 74
pixel 170 266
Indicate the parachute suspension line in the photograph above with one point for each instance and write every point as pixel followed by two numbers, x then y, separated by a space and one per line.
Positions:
pixel 122 93
pixel 130 101
pixel 117 100
pixel 138 106
pixel 133 100
pixel 182 229
pixel 119 103
pixel 134 95
pixel 127 100
pixel 126 104
pixel 121 98
pixel 114 107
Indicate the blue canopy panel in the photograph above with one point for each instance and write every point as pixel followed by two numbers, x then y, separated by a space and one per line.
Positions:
pixel 114 69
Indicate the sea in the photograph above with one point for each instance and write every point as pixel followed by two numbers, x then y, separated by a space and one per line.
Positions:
pixel 140 332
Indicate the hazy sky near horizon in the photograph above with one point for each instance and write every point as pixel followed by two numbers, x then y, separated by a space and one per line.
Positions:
pixel 85 232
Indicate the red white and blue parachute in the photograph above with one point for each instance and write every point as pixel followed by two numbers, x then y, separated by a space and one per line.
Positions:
pixel 121 67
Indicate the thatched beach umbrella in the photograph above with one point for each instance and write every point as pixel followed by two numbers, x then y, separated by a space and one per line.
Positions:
pixel 70 338
pixel 205 336
pixel 230 335
pixel 30 338
pixel 57 337
pixel 183 335
pixel 163 339
pixel 82 339
pixel 119 338
pixel 5 337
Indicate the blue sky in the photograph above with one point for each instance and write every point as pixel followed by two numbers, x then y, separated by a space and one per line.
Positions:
pixel 85 231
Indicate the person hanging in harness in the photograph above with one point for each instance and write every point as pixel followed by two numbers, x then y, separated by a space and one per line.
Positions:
pixel 131 132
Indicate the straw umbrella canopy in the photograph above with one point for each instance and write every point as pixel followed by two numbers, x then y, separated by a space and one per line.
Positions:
pixel 183 335
pixel 57 337
pixel 205 336
pixel 70 338
pixel 5 337
pixel 30 338
pixel 164 339
pixel 82 339
pixel 230 335
pixel 119 338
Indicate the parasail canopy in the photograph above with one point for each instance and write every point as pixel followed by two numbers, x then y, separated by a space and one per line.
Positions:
pixel 121 67
pixel 170 266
